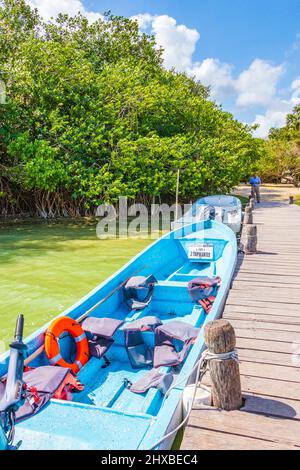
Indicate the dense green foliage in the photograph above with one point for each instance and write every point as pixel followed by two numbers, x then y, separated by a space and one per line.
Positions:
pixel 91 114
pixel 281 160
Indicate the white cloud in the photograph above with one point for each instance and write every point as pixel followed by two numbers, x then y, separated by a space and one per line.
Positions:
pixel 144 20
pixel 51 8
pixel 272 118
pixel 177 40
pixel 213 73
pixel 258 84
pixel 275 116
pixel 295 91
pixel 255 86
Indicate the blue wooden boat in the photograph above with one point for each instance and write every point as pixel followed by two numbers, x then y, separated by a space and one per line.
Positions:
pixel 107 414
pixel 225 209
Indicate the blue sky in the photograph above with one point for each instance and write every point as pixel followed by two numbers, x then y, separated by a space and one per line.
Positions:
pixel 248 51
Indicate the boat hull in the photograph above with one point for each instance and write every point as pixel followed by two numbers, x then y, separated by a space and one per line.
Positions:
pixel 228 210
pixel 104 416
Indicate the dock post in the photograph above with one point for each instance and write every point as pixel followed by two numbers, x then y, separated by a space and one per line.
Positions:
pixel 248 217
pixel 251 200
pixel 226 391
pixel 291 200
pixel 250 246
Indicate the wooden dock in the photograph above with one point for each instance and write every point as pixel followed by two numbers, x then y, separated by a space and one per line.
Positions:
pixel 264 308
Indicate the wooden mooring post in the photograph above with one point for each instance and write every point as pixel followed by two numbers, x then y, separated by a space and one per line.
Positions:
pixel 250 246
pixel 291 200
pixel 248 216
pixel 226 391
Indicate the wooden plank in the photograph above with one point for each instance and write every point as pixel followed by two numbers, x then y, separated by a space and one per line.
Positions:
pixel 244 423
pixel 266 283
pixel 271 371
pixel 278 299
pixel 259 333
pixel 263 345
pixel 244 299
pixel 264 325
pixel 283 265
pixel 280 279
pixel 273 296
pixel 273 270
pixel 255 285
pixel 263 318
pixel 268 357
pixel 263 288
pixel 252 262
pixel 256 282
pixel 276 255
pixel 276 272
pixel 260 310
pixel 250 302
pixel 270 406
pixel 202 439
pixel 270 387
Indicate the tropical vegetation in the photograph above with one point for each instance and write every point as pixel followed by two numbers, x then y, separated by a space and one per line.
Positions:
pixel 281 160
pixel 91 114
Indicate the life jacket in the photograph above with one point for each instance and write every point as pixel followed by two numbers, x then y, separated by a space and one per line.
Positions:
pixel 203 290
pixel 172 343
pixel 42 384
pixel 100 332
pixel 139 352
pixel 138 291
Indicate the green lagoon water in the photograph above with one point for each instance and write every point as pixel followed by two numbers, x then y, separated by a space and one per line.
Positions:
pixel 45 268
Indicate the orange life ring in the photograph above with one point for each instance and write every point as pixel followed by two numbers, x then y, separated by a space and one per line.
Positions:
pixel 52 349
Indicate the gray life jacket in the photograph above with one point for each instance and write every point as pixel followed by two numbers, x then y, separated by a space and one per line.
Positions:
pixel 172 342
pixel 153 379
pixel 100 333
pixel 41 384
pixel 138 291
pixel 139 353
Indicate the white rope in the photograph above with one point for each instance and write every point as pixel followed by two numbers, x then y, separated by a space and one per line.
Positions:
pixel 201 366
pixel 222 356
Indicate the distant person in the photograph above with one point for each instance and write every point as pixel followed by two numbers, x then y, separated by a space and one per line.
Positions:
pixel 255 182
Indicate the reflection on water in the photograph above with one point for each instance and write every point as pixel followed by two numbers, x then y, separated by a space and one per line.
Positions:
pixel 45 268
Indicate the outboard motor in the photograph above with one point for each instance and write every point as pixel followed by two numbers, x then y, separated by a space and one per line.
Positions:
pixel 14 393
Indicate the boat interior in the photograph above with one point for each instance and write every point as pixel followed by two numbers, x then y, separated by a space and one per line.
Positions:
pixel 107 414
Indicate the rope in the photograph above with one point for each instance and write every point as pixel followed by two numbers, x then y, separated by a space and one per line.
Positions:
pixel 222 356
pixel 202 367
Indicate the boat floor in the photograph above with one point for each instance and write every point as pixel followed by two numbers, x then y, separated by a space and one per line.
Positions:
pixel 75 426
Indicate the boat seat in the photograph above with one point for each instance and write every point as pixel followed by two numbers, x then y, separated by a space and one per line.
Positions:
pixel 170 283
